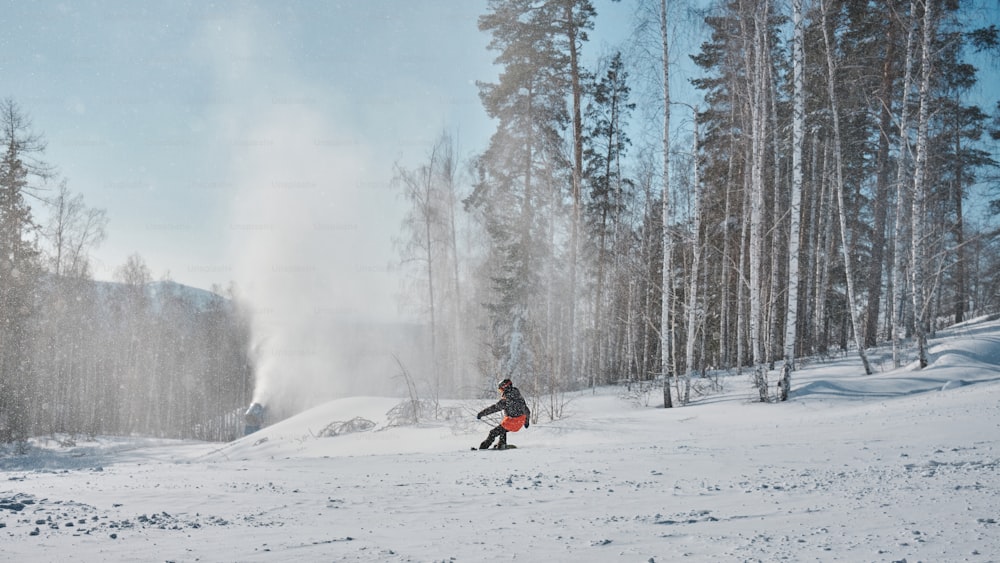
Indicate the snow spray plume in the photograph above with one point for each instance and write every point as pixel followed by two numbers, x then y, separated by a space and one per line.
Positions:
pixel 310 223
pixel 312 262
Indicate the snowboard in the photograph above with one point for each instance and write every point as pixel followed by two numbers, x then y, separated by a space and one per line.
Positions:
pixel 509 447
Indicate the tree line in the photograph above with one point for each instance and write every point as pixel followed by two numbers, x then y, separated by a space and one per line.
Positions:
pixel 81 357
pixel 817 203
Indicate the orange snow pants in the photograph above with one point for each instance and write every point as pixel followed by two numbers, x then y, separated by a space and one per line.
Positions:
pixel 513 424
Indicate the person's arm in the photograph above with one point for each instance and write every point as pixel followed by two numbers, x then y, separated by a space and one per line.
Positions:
pixel 491 409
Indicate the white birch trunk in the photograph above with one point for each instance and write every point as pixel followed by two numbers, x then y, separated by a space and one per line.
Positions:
pixel 693 309
pixel 842 213
pixel 899 232
pixel 759 127
pixel 795 207
pixel 811 280
pixel 742 285
pixel 725 331
pixel 572 34
pixel 917 266
pixel 666 332
pixel 824 249
pixel 778 211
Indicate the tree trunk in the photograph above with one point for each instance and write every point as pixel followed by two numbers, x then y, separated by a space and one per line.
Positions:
pixel 757 59
pixel 572 34
pixel 902 193
pixel 742 287
pixel 842 212
pixel 725 308
pixel 693 310
pixel 958 231
pixel 778 209
pixel 824 253
pixel 919 209
pixel 795 207
pixel 881 190
pixel 666 331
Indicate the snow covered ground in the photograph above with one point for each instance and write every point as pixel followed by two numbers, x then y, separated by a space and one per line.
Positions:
pixel 901 465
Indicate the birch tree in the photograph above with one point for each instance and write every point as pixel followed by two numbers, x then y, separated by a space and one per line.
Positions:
pixel 795 207
pixel 72 231
pixel 429 247
pixel 423 226
pixel 695 311
pixel 903 193
pixel 839 190
pixel 920 189
pixel 666 279
pixel 756 37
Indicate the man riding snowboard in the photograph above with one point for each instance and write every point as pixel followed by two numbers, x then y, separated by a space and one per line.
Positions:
pixel 516 414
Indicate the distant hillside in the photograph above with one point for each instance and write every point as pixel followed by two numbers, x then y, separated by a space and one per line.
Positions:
pixel 160 291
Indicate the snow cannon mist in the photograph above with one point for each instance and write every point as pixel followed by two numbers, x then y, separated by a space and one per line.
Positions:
pixel 311 235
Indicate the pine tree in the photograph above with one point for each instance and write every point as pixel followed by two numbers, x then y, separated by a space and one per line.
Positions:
pixel 607 199
pixel 519 195
pixel 19 272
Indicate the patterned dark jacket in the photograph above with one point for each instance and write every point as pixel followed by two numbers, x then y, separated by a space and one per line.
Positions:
pixel 512 404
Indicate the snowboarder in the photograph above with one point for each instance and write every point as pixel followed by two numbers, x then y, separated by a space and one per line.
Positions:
pixel 516 415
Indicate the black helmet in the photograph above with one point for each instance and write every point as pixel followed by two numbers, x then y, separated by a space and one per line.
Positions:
pixel 505 385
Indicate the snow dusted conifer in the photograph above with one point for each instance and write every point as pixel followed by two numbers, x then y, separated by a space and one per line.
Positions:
pixel 577 18
pixel 19 270
pixel 607 202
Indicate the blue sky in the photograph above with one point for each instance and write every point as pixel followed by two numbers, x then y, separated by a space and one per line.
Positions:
pixel 151 110
pixel 241 140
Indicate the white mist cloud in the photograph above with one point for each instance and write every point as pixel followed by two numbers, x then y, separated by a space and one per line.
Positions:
pixel 310 224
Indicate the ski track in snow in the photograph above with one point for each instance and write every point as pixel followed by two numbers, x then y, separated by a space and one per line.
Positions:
pixel 881 468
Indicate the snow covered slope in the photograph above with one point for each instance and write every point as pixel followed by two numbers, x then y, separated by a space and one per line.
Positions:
pixel 901 465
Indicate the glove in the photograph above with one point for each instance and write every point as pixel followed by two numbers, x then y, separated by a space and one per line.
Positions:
pixel 527 423
pixel 479 416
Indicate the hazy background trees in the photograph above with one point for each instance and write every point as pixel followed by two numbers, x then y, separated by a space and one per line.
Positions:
pixel 79 356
